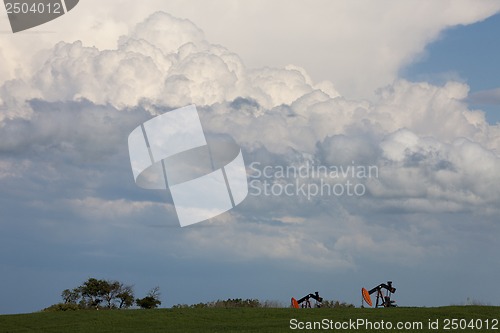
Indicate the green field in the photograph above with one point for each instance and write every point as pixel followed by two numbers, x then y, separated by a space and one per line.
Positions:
pixel 251 320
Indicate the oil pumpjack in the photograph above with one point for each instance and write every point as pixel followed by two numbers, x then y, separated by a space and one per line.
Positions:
pixel 305 302
pixel 382 300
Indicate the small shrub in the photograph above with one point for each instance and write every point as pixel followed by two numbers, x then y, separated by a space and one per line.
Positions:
pixel 272 304
pixel 335 304
pixel 62 307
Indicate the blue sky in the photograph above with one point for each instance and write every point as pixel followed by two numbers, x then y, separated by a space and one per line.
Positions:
pixel 468 53
pixel 338 87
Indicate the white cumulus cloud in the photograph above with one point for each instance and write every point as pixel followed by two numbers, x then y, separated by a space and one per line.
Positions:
pixel 78 104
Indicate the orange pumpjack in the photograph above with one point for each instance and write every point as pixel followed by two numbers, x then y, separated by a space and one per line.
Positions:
pixel 305 303
pixel 382 300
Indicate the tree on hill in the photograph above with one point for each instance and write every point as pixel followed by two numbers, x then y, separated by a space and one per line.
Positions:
pixel 125 297
pixel 95 294
pixel 92 292
pixel 151 301
pixel 71 296
pixel 104 294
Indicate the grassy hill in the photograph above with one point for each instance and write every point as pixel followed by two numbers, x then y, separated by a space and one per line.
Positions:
pixel 255 320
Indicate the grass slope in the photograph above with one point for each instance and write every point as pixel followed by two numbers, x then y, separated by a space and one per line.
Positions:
pixel 240 320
